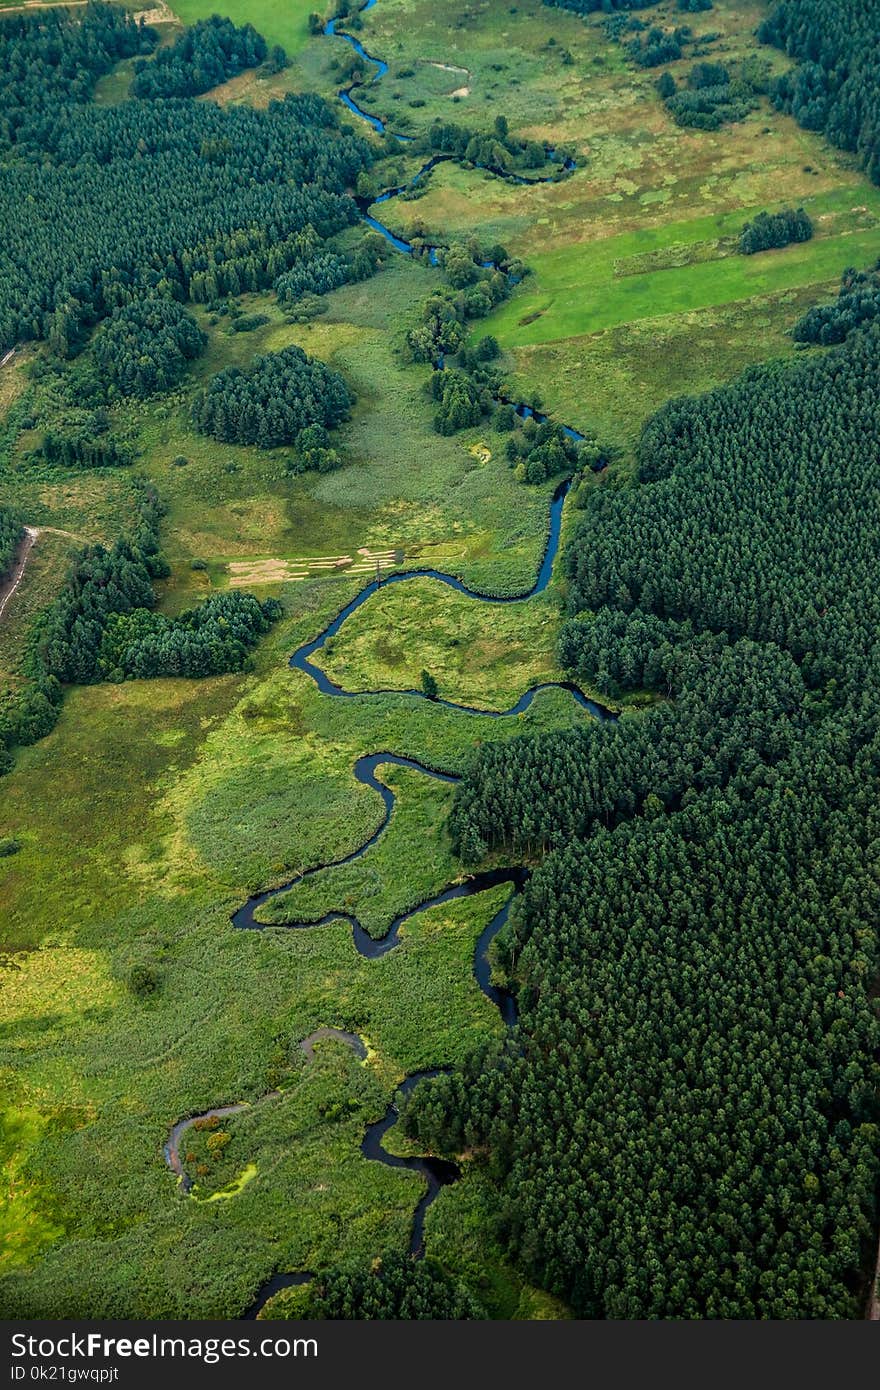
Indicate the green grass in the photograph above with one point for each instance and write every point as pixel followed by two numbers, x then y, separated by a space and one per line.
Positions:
pixel 611 382
pixel 196 793
pixel 575 290
pixel 285 24
pixel 425 626
pixel 154 808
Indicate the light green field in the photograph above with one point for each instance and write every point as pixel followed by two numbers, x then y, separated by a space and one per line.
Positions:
pixel 155 808
pixel 579 289
pixel 425 626
pixel 278 23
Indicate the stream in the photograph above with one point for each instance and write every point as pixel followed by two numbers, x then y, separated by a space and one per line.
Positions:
pixel 380 127
pixel 436 1172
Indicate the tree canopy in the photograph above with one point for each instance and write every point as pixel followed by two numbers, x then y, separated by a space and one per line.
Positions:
pixel 684 1121
pixel 772 230
pixel 146 345
pixel 101 204
pixel 836 86
pixel 204 55
pixel 273 401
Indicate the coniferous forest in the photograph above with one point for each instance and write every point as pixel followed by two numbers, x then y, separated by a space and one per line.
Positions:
pixel 502 943
pixel 685 1123
pixel 104 203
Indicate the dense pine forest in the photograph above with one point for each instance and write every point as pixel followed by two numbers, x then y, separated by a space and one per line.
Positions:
pixel 201 58
pixel 685 1123
pixel 146 346
pixel 103 203
pixel 280 397
pixel 662 1095
pixel 836 87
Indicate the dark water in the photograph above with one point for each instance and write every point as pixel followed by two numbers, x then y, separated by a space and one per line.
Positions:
pixel 302 657
pixel 436 1172
pixel 377 124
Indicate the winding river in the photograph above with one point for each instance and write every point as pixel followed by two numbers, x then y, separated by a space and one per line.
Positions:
pixel 436 1172
pixel 564 166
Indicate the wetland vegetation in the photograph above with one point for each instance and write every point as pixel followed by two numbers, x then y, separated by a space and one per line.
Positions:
pixel 228 407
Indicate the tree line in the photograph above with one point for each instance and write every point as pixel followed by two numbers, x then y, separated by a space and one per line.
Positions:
pixel 836 86
pixel 857 303
pixel 10 535
pixel 103 203
pixel 206 54
pixel 100 627
pixel 684 1122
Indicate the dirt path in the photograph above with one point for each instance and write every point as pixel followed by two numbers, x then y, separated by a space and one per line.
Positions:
pixel 41 5
pixel 7 356
pixel 9 586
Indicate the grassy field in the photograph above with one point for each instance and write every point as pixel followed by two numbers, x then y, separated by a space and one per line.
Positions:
pixel 636 293
pixel 587 287
pixel 285 24
pixel 424 626
pixel 155 808
pixel 198 792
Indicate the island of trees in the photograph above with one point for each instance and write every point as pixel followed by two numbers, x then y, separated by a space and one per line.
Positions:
pixel 273 401
pixel 772 230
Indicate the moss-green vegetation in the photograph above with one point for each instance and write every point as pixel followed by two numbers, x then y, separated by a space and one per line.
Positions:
pixel 154 809
pixel 410 628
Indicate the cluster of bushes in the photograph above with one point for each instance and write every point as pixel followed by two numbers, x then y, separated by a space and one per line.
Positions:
pixel 772 230
pixel 273 401
pixel 247 323
pixel 209 640
pixel 857 303
pixel 499 151
pixel 538 451
pixel 147 345
pixel 10 535
pixel 463 401
pixel 713 95
pixel 480 280
pixel 659 46
pixel 392 1287
pixel 86 444
pixel 204 55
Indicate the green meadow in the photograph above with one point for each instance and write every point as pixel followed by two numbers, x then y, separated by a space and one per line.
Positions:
pixel 285 24
pixel 154 809
pixel 587 287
